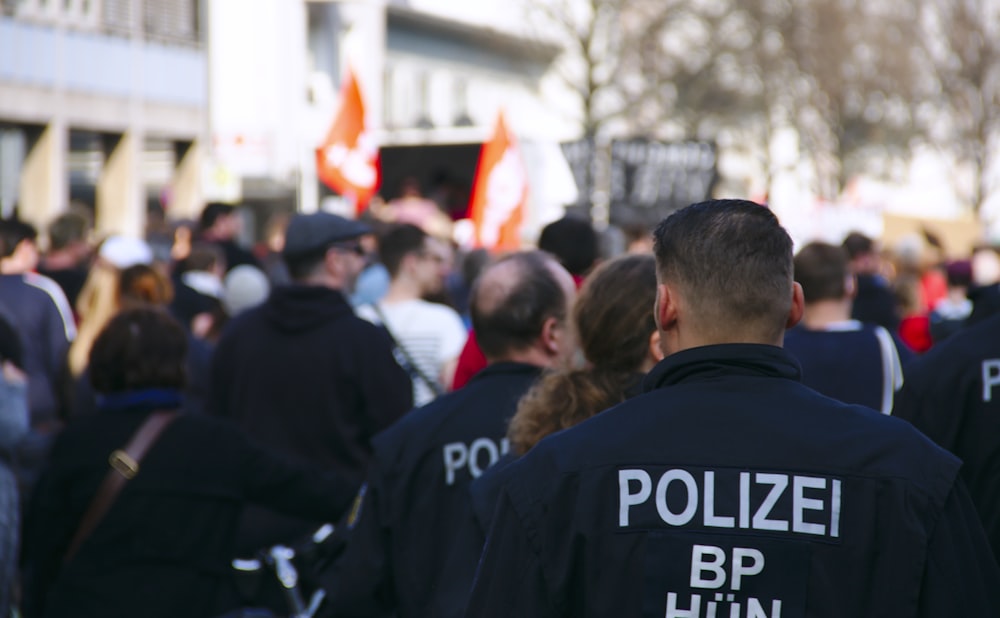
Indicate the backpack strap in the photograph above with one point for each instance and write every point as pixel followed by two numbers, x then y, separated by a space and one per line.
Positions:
pixel 402 356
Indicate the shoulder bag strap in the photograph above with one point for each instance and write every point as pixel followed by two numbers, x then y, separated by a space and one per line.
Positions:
pixel 124 466
pixel 404 359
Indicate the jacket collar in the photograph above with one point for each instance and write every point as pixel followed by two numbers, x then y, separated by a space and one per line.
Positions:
pixel 742 359
pixel 509 368
pixel 145 399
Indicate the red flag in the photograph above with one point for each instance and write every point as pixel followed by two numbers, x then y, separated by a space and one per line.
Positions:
pixel 348 160
pixel 500 192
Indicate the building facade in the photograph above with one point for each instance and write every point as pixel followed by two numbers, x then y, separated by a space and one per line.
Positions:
pixel 102 103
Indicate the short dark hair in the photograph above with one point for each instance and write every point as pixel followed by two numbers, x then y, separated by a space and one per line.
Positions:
pixel 733 260
pixel 212 212
pixel 139 348
pixel 857 244
pixel 574 243
pixel 398 242
pixel 822 270
pixel 513 317
pixel 66 229
pixel 12 233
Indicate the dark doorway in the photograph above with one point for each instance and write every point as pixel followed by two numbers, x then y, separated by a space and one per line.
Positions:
pixel 445 173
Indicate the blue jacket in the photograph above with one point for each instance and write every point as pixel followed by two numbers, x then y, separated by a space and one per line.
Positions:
pixel 37 308
pixel 417 497
pixel 853 362
pixel 729 489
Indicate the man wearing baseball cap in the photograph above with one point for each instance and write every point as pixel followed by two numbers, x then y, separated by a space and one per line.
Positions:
pixel 302 374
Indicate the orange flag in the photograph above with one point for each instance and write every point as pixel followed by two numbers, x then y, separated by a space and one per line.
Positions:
pixel 348 160
pixel 500 192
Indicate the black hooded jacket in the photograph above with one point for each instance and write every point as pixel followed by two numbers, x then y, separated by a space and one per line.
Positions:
pixel 305 376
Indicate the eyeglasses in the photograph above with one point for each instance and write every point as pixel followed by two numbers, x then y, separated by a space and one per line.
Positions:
pixel 434 257
pixel 354 248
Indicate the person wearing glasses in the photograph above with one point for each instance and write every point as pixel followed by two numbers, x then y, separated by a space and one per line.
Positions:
pixel 428 336
pixel 305 376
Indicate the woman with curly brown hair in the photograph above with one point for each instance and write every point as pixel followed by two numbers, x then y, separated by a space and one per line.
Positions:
pixel 613 316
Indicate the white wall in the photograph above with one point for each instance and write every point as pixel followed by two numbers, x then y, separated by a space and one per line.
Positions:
pixel 257 85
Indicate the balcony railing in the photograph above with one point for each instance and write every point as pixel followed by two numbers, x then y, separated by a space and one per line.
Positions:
pixel 174 22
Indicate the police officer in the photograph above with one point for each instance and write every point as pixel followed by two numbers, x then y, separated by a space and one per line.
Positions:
pixel 417 496
pixel 729 489
pixel 953 396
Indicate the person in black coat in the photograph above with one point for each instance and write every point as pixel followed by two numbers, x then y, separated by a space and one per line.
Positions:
pixel 305 376
pixel 728 488
pixel 165 545
pixel 874 302
pixel 953 396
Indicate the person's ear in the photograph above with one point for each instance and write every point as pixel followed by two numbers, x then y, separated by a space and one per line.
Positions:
pixel 798 306
pixel 655 351
pixel 550 338
pixel 851 286
pixel 332 261
pixel 666 307
pixel 409 262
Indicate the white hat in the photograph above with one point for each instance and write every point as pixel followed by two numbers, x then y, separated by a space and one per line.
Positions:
pixel 245 287
pixel 124 251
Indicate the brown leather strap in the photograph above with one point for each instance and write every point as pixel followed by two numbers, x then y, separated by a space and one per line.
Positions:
pixel 124 466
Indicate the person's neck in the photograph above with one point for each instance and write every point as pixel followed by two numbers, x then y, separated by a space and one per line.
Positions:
pixel 322 281
pixel 401 290
pixel 673 341
pixel 213 236
pixel 818 315
pixel 59 260
pixel 958 295
pixel 10 267
pixel 528 356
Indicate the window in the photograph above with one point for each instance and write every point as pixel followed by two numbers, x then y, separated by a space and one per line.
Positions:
pixel 172 21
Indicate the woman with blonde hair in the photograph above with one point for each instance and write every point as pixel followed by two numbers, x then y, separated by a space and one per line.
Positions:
pixel 99 299
pixel 142 286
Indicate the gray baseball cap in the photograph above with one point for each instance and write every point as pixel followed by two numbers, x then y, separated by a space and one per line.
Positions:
pixel 316 231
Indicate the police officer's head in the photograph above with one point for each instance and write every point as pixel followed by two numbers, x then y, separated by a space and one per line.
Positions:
pixel 724 270
pixel 520 310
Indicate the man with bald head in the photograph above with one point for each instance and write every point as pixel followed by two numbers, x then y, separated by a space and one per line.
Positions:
pixel 417 490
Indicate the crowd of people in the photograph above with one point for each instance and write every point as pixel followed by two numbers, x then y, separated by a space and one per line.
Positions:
pixel 704 426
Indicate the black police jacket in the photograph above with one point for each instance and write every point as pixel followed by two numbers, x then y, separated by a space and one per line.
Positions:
pixel 416 498
pixel 731 490
pixel 953 396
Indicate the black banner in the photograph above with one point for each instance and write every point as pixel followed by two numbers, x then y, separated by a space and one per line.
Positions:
pixel 649 179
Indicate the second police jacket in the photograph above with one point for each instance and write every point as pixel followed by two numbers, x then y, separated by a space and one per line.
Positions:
pixel 416 499
pixel 729 489
pixel 953 396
